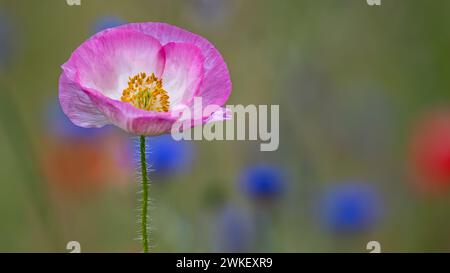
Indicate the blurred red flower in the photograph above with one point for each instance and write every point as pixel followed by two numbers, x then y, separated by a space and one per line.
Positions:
pixel 81 167
pixel 429 151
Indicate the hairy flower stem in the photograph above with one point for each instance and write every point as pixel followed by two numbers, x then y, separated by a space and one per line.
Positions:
pixel 145 182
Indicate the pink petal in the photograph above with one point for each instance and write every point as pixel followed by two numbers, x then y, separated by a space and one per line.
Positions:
pixel 97 72
pixel 191 119
pixel 105 61
pixel 131 119
pixel 183 72
pixel 89 108
pixel 220 114
pixel 216 85
pixel 77 106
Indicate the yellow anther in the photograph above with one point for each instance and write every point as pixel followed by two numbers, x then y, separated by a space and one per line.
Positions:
pixel 146 92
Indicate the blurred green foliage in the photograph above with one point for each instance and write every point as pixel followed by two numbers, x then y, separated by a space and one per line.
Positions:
pixel 350 80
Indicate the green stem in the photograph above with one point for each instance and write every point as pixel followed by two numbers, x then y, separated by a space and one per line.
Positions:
pixel 145 183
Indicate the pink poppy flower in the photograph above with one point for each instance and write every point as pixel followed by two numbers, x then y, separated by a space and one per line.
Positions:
pixel 139 76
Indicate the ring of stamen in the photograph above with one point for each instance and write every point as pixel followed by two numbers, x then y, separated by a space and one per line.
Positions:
pixel 146 92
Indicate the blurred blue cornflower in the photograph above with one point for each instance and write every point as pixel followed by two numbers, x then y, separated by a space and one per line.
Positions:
pixel 234 230
pixel 263 181
pixel 59 125
pixel 107 21
pixel 6 39
pixel 349 208
pixel 210 12
pixel 167 156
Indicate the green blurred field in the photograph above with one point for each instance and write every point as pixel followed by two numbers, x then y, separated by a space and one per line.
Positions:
pixel 350 80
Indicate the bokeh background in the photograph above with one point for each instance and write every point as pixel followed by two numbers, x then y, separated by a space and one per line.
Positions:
pixel 364 95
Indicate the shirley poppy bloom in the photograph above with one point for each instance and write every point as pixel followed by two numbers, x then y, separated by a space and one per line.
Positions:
pixel 140 76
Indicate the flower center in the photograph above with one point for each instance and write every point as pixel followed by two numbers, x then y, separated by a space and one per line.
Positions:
pixel 146 92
